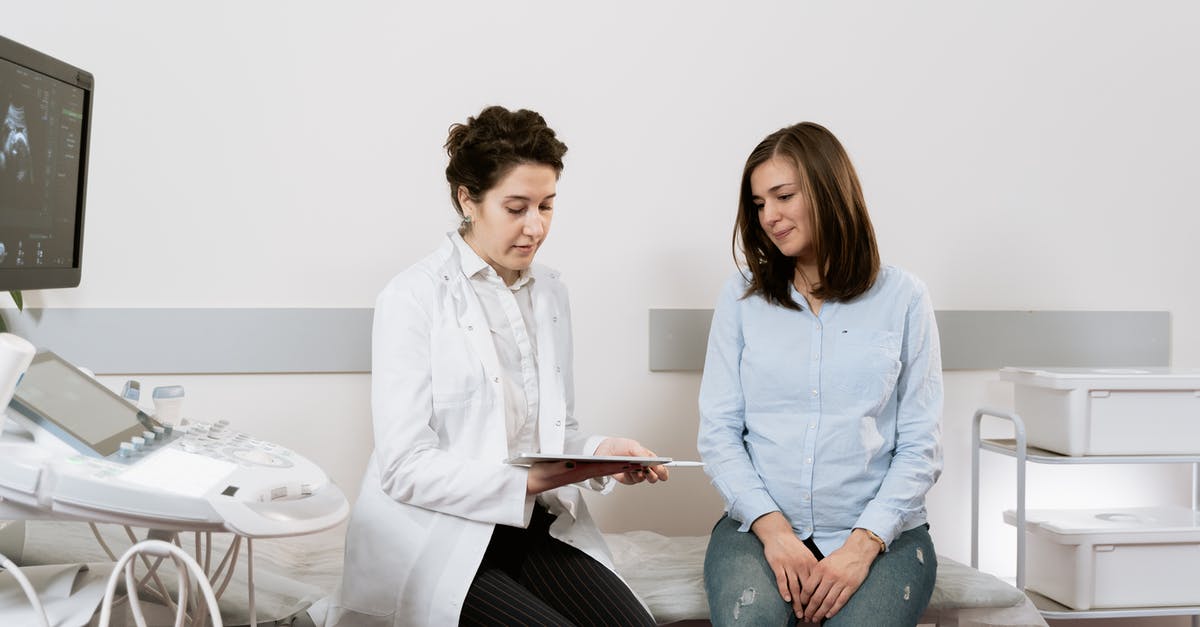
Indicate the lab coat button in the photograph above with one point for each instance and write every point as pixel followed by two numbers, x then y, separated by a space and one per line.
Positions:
pixel 554 319
pixel 470 327
pixel 558 423
pixel 495 379
pixel 557 369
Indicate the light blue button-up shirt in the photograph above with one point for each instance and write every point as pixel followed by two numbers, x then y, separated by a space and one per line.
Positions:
pixel 832 419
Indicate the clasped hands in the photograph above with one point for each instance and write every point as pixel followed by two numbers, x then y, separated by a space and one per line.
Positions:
pixel 816 589
pixel 545 476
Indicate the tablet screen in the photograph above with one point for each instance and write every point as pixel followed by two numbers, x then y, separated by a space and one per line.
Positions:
pixel 55 392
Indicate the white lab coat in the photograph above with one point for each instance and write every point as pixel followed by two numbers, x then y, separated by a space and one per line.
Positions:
pixel 436 484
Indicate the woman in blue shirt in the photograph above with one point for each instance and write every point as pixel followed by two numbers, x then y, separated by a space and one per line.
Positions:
pixel 820 405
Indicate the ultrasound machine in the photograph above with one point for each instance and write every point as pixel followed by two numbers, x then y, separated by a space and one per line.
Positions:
pixel 71 449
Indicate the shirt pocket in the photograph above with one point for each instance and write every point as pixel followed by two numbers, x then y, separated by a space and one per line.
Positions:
pixel 866 364
pixel 456 372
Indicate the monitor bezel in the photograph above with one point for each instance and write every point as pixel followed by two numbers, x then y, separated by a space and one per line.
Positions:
pixel 34 277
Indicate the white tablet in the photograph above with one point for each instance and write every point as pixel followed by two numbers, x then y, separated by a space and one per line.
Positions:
pixel 525 459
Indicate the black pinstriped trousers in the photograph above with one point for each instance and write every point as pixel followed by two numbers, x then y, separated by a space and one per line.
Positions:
pixel 528 578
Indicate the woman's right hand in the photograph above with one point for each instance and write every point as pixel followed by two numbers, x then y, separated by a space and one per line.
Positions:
pixel 789 559
pixel 545 476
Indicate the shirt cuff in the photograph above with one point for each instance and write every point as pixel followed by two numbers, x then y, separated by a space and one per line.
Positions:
pixel 750 506
pixel 530 500
pixel 879 523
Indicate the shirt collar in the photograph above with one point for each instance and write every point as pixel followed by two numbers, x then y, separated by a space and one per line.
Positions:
pixel 474 267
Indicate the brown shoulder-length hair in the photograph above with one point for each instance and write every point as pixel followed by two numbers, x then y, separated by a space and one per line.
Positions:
pixel 843 238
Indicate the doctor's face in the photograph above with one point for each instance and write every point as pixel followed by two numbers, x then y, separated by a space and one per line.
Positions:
pixel 511 221
pixel 783 210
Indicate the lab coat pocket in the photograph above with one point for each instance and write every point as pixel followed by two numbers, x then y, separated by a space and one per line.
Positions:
pixel 867 363
pixel 456 372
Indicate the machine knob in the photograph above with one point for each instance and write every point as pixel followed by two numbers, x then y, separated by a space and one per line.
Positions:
pixel 126 450
pixel 149 436
pixel 139 442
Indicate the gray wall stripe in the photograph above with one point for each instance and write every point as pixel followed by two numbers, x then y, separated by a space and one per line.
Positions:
pixel 973 340
pixel 179 341
pixel 233 341
pixel 982 340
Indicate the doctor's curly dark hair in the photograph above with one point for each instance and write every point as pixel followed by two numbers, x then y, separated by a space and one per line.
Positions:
pixel 489 145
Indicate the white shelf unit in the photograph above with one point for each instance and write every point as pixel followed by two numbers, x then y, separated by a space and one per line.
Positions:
pixel 1018 448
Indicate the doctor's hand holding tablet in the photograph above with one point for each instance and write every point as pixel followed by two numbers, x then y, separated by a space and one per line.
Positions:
pixel 625 460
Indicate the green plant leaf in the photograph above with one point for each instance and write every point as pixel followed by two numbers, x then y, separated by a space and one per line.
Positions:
pixel 16 296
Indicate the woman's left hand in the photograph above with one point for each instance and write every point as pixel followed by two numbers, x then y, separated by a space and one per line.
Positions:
pixel 631 448
pixel 834 579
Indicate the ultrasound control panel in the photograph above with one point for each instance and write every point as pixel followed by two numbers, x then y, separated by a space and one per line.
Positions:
pixel 90 454
pixel 218 441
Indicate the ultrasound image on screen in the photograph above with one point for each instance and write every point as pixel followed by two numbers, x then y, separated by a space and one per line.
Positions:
pixel 41 134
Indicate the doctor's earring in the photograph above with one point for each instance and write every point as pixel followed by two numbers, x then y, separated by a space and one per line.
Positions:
pixel 466 221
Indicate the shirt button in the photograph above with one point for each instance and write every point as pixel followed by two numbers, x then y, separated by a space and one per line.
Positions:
pixel 808 461
pixel 815 392
pixel 554 319
pixel 812 426
pixel 816 355
pixel 557 369
pixel 495 379
pixel 806 496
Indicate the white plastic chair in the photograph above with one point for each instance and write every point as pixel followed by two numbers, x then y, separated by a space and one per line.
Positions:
pixel 183 564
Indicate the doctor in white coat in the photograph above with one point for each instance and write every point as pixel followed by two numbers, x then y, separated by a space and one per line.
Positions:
pixel 472 365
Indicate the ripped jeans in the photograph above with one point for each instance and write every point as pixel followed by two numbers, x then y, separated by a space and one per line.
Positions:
pixel 742 591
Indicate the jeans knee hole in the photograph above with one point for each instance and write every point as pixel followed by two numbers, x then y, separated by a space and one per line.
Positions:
pixel 747 598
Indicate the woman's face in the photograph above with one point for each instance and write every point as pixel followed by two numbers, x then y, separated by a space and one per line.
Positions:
pixel 783 210
pixel 511 221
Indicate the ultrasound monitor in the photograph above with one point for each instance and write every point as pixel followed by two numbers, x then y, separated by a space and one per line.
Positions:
pixel 45 115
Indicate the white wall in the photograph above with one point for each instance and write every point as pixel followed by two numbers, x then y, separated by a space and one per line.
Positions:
pixel 1016 155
